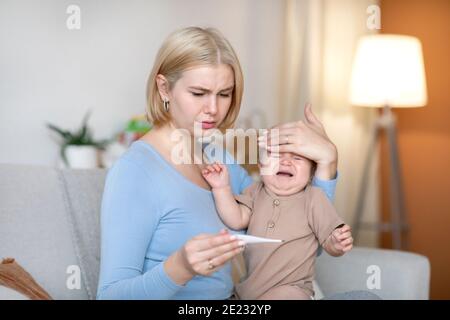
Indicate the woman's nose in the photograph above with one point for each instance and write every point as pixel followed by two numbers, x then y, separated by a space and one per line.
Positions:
pixel 211 107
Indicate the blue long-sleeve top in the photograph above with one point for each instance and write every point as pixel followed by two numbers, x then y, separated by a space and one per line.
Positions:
pixel 149 210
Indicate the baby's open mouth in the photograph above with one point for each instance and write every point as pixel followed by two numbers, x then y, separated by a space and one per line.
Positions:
pixel 284 174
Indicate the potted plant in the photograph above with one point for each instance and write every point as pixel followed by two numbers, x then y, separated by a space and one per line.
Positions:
pixel 135 128
pixel 79 149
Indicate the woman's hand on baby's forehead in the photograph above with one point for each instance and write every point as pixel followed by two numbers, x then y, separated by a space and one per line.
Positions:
pixel 307 139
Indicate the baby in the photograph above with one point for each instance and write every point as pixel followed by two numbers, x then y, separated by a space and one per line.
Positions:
pixel 283 206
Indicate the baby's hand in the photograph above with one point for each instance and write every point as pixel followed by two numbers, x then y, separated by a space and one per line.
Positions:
pixel 216 175
pixel 341 239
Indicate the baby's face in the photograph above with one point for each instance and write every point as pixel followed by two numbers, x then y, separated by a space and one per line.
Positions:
pixel 287 174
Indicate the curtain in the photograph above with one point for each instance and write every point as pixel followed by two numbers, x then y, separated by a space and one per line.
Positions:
pixel 319 42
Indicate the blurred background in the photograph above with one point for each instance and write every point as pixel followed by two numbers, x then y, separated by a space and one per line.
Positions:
pixel 69 63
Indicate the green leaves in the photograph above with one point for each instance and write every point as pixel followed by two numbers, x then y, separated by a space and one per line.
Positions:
pixel 81 137
pixel 138 126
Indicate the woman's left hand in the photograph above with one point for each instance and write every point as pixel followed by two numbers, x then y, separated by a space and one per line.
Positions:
pixel 308 139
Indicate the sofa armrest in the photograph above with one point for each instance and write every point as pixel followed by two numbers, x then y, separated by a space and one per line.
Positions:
pixel 402 275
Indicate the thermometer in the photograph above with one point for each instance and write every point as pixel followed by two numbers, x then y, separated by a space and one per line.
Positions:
pixel 252 239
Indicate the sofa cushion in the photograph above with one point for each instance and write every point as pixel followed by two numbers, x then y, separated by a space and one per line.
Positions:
pixel 34 227
pixel 402 275
pixel 84 189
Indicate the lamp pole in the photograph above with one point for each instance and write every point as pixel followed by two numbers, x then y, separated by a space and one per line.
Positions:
pixel 398 221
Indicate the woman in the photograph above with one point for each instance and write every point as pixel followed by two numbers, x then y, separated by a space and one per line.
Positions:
pixel 161 235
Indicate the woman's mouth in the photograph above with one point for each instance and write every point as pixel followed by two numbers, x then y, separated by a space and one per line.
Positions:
pixel 208 124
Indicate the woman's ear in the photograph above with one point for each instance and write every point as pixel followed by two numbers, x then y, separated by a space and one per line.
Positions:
pixel 163 87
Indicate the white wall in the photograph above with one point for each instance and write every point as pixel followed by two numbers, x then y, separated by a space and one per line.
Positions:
pixel 50 73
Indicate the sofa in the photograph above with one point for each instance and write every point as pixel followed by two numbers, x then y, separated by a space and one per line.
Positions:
pixel 49 222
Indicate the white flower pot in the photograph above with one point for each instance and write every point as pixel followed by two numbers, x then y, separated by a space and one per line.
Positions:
pixel 82 157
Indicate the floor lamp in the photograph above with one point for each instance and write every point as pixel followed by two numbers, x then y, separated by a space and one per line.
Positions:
pixel 388 72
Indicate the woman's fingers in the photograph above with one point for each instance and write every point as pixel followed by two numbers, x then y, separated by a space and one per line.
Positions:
pixel 282 148
pixel 284 136
pixel 215 252
pixel 313 122
pixel 282 131
pixel 224 258
pixel 201 243
pixel 285 125
pixel 280 140
pixel 201 236
pixel 310 116
pixel 205 252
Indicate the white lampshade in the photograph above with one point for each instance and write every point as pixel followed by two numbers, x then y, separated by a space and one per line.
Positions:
pixel 388 70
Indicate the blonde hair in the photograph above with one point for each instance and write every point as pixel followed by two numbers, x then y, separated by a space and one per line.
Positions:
pixel 185 49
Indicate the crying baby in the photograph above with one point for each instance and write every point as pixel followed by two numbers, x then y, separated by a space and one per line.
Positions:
pixel 285 205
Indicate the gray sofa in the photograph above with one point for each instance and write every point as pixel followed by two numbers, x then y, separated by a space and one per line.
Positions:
pixel 49 222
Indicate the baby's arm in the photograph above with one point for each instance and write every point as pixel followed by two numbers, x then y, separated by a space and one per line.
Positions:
pixel 233 215
pixel 334 236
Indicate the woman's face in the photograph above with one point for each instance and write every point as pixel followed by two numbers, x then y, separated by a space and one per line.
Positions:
pixel 201 97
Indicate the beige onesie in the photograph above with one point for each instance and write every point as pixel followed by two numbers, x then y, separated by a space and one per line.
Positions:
pixel 304 221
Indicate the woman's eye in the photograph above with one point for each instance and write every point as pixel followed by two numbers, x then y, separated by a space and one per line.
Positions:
pixel 298 158
pixel 197 94
pixel 225 95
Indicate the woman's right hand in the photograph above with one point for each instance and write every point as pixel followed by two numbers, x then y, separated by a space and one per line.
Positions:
pixel 307 139
pixel 202 255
